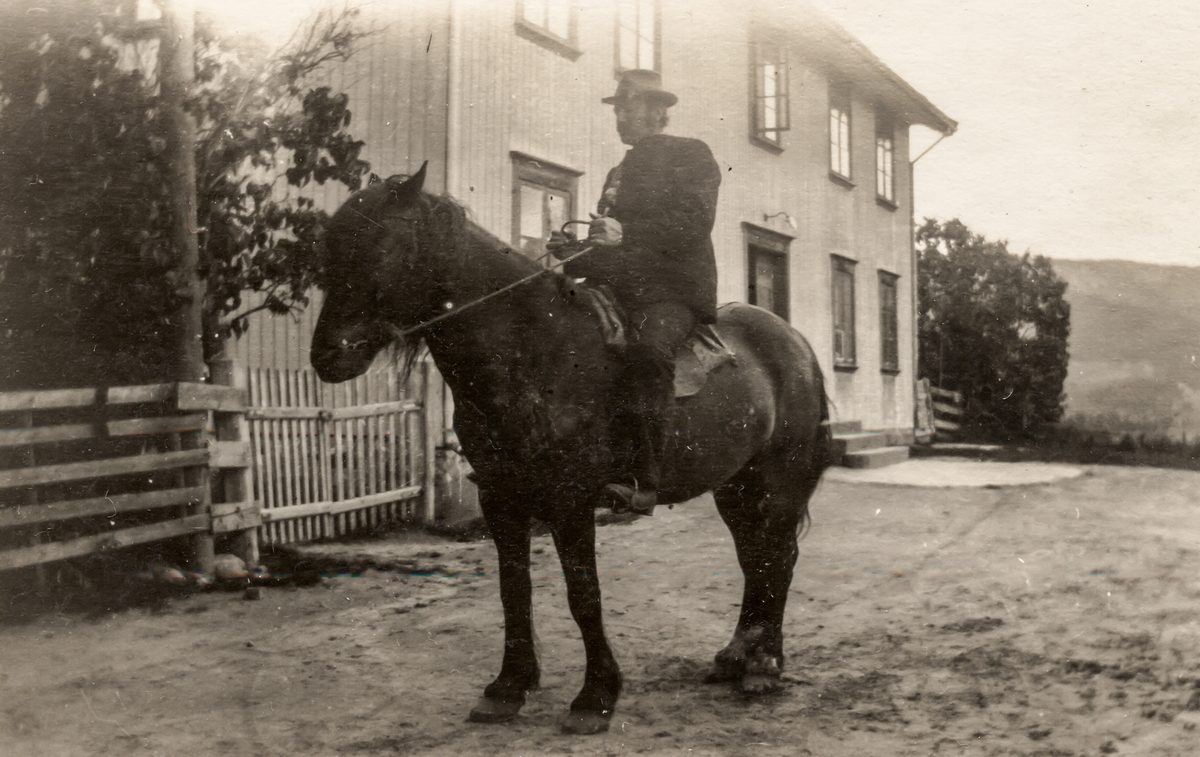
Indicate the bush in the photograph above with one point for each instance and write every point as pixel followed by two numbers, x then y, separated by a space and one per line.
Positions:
pixel 993 326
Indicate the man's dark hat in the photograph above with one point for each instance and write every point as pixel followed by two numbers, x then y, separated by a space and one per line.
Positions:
pixel 639 82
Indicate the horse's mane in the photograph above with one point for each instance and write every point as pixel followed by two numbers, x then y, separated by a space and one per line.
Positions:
pixel 447 224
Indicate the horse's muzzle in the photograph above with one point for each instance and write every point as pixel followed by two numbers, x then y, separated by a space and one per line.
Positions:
pixel 338 358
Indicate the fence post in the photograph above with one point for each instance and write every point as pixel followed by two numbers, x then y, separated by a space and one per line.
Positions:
pixel 234 484
pixel 924 412
pixel 431 434
pixel 457 496
pixel 41 579
pixel 203 553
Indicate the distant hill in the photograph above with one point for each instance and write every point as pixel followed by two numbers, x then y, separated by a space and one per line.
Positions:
pixel 1135 345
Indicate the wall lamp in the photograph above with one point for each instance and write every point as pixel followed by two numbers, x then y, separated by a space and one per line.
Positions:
pixel 787 218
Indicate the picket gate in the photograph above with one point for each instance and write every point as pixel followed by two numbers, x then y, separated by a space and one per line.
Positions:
pixel 332 460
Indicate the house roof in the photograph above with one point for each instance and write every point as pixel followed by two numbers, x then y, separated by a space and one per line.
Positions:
pixel 828 42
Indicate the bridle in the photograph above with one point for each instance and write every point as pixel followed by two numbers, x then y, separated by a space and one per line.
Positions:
pixel 403 333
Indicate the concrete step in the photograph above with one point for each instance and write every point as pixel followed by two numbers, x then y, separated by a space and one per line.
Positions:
pixel 845 427
pixel 875 458
pixel 858 441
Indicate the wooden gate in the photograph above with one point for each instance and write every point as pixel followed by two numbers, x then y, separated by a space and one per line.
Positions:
pixel 939 412
pixel 330 460
pixel 947 412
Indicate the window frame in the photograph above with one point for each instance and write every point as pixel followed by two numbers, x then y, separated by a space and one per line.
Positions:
pixel 845 350
pixel 841 132
pixel 541 33
pixel 764 244
pixel 655 8
pixel 885 159
pixel 768 54
pixel 889 322
pixel 549 177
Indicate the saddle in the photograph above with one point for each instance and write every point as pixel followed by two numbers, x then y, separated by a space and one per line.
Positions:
pixel 701 353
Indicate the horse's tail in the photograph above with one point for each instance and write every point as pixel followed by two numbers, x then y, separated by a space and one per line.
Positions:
pixel 821 459
pixel 825 435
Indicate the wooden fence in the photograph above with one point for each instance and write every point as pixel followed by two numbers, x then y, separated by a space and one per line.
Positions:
pixel 939 412
pixel 330 460
pixel 84 471
pixel 278 455
pixel 947 412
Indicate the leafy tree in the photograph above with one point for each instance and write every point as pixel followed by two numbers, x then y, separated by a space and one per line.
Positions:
pixel 88 289
pixel 992 325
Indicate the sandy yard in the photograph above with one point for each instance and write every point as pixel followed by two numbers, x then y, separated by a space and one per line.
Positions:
pixel 1037 619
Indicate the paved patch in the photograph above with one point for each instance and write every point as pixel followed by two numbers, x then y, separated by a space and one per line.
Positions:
pixel 954 472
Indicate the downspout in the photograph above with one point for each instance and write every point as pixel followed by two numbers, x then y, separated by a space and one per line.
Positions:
pixel 912 247
pixel 453 88
pixel 453 155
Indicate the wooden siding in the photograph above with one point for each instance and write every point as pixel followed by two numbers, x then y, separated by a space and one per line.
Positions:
pixel 452 81
pixel 276 341
pixel 514 94
pixel 397 83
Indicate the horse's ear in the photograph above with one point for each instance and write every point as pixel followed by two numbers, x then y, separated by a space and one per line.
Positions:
pixel 373 179
pixel 406 190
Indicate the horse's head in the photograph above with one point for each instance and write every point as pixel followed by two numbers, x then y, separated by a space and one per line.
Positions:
pixel 376 275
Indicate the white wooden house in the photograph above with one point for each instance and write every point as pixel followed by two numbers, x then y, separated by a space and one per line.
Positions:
pixel 812 131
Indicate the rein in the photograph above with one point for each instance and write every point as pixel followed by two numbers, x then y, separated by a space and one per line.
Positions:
pixel 402 333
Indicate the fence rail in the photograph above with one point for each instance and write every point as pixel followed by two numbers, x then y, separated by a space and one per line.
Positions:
pixel 939 412
pixel 947 411
pixel 284 457
pixel 89 470
pixel 330 460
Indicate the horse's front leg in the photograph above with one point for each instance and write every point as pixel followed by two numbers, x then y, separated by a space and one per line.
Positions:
pixel 508 520
pixel 575 538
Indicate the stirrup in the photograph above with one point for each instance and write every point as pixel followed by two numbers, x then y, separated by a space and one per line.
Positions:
pixel 630 499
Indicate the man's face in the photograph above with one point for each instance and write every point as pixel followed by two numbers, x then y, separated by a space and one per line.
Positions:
pixel 637 119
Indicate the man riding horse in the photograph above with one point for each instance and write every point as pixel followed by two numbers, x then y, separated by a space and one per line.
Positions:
pixel 653 248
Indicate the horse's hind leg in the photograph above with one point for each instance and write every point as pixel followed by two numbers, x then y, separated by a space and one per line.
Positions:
pixel 509 523
pixel 763 506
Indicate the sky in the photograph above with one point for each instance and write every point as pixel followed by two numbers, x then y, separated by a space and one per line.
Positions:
pixel 1079 122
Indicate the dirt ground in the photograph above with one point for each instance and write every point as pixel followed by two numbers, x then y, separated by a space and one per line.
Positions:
pixel 1050 619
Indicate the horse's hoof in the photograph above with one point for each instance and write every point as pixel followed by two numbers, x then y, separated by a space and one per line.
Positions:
pixel 725 672
pixel 494 710
pixel 758 684
pixel 586 722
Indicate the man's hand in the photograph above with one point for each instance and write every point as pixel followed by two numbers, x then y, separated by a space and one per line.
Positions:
pixel 604 231
pixel 561 245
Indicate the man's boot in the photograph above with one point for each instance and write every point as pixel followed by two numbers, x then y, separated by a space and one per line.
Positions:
pixel 652 387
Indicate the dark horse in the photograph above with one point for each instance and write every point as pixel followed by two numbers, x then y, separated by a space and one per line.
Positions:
pixel 532 382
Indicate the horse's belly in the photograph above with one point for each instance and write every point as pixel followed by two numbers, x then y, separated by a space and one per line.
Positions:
pixel 712 435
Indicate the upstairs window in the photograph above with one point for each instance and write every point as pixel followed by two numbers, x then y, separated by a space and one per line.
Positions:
pixel 885 159
pixel 889 323
pixel 771 116
pixel 543 199
pixel 844 355
pixel 767 274
pixel 839 131
pixel 549 23
pixel 638 35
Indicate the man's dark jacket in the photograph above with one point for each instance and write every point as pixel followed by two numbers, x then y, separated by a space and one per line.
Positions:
pixel 666 202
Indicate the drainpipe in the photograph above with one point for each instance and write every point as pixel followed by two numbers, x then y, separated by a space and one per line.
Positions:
pixel 453 172
pixel 453 88
pixel 455 499
pixel 912 247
